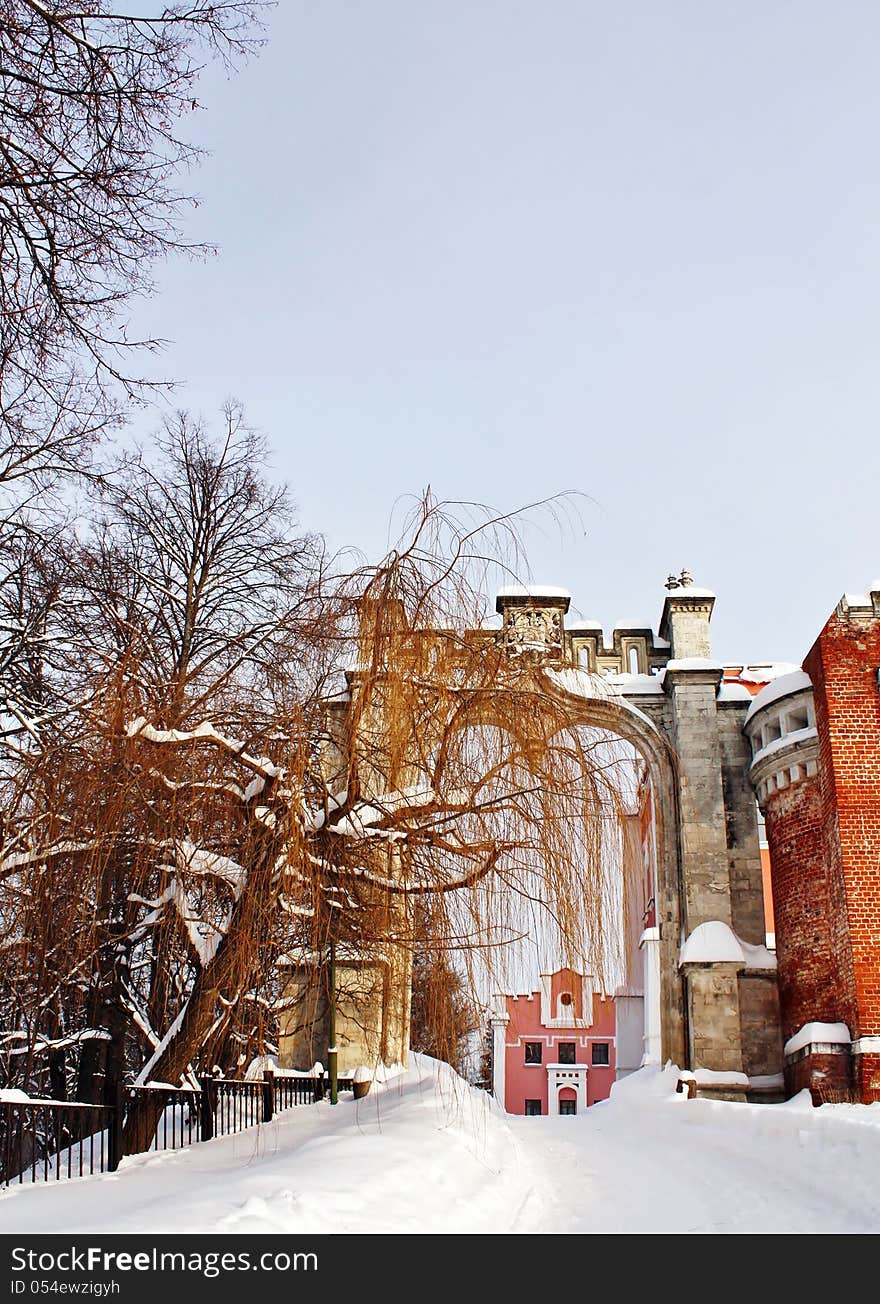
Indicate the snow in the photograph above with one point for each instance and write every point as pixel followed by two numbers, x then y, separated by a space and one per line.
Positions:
pixel 581 683
pixel 728 692
pixel 694 663
pixel 793 682
pixel 716 1078
pixel 690 591
pixel 857 599
pixel 636 685
pixel 758 957
pixel 765 673
pixel 584 626
pixel 712 943
pixel 646 1161
pixel 829 1034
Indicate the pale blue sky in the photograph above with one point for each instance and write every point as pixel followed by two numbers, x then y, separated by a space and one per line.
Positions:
pixel 508 249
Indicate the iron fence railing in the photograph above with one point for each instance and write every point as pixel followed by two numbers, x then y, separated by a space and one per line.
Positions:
pixel 50 1140
pixel 42 1140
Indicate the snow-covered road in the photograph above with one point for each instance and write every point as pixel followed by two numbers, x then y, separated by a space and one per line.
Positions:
pixel 425 1153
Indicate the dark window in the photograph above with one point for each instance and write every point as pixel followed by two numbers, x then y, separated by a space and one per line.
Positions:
pixel 533 1052
pixel 601 1052
pixel 533 1107
pixel 565 998
pixel 566 1052
pixel 568 1106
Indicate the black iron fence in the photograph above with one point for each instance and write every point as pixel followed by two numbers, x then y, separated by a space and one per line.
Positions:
pixel 42 1140
pixel 48 1140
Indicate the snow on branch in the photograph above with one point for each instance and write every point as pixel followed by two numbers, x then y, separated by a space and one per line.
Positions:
pixel 205 732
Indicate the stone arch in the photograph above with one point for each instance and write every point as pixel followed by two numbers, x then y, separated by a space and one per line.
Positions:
pixel 621 718
pixel 572 710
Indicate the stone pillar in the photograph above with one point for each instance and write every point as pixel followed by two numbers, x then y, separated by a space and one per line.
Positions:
pixel 692 681
pixel 498 1023
pixel 714 1017
pixel 650 948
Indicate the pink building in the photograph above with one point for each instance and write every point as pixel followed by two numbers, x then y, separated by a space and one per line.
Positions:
pixel 555 1051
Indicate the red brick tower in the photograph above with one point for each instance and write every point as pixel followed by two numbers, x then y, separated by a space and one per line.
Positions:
pixel 816 769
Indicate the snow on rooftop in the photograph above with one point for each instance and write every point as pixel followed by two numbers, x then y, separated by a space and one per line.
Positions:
pixel 732 692
pixel 764 672
pixel 857 599
pixel 584 625
pixel 786 685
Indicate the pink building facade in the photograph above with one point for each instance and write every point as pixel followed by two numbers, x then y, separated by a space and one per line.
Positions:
pixel 555 1050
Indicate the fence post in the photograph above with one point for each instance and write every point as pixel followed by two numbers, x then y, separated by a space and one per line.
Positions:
pixel 116 1118
pixel 268 1095
pixel 208 1104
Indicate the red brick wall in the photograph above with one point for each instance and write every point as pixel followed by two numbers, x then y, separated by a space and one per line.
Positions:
pixel 809 962
pixel 843 667
pixel 828 1077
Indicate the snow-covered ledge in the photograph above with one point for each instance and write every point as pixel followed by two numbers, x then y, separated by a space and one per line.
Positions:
pixel 817 1039
pixel 715 942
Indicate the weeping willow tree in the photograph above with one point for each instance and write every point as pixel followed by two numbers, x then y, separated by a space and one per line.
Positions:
pixel 372 773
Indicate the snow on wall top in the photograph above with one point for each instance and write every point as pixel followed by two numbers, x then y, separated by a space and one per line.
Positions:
pixel 585 625
pixel 694 663
pixel 712 943
pixel 831 1034
pixel 690 591
pixel 784 686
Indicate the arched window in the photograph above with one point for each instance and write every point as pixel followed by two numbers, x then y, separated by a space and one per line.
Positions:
pixel 633 658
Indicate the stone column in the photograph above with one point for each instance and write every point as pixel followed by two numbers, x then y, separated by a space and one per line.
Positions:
pixel 498 1023
pixel 692 680
pixel 650 948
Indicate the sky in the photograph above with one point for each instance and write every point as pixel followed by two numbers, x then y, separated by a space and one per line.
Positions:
pixel 511 250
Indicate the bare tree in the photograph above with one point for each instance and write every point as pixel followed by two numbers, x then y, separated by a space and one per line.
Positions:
pixel 183 602
pixel 91 101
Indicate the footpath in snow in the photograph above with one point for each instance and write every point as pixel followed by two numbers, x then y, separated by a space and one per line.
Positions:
pixel 426 1153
